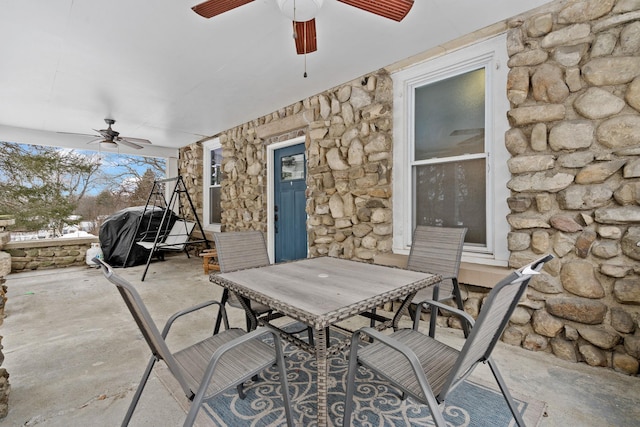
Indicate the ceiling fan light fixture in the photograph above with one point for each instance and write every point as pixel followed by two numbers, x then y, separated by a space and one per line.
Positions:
pixel 304 9
pixel 108 144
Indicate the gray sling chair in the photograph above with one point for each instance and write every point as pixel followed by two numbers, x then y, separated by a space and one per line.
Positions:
pixel 438 250
pixel 245 249
pixel 427 369
pixel 208 367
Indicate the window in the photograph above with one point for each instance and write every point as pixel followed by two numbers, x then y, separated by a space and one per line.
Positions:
pixel 449 155
pixel 292 167
pixel 212 212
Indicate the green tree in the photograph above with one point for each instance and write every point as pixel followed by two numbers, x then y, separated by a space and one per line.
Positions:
pixel 140 194
pixel 41 186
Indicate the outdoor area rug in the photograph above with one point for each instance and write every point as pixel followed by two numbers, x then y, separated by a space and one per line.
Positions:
pixel 376 403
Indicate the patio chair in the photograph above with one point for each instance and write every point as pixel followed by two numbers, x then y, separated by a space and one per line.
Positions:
pixel 427 369
pixel 208 367
pixel 245 249
pixel 438 250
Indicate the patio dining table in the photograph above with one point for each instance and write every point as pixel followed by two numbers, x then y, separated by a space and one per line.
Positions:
pixel 320 292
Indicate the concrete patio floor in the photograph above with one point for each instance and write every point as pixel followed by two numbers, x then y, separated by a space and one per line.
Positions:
pixel 75 355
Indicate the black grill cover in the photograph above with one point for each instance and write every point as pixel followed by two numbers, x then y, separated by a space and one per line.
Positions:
pixel 118 234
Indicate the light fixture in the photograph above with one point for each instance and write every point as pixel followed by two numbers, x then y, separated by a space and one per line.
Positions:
pixel 300 10
pixel 108 144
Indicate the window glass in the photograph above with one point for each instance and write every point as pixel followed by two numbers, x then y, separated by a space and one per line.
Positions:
pixel 292 167
pixel 449 116
pixel 215 171
pixel 215 212
pixel 216 166
pixel 453 195
pixel 449 166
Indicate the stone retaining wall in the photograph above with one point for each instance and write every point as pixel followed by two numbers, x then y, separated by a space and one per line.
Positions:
pixel 574 88
pixel 49 253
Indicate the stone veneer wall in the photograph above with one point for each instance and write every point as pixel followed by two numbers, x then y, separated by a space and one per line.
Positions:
pixel 5 270
pixel 190 167
pixel 575 140
pixel 574 88
pixel 348 143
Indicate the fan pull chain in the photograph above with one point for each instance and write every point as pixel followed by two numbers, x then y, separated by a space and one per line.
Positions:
pixel 305 51
pixel 304 41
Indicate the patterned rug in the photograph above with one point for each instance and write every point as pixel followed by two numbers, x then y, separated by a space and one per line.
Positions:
pixel 376 403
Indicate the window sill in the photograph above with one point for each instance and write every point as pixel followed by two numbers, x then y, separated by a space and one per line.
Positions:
pixel 481 275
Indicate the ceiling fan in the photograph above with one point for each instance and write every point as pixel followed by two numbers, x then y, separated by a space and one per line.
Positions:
pixel 109 138
pixel 302 13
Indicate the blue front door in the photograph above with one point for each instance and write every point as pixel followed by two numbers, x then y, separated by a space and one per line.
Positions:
pixel 290 217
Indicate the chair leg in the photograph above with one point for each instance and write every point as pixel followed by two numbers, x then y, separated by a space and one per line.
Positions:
pixel 436 413
pixel 138 393
pixel 433 317
pixel 351 376
pixel 284 383
pixel 372 321
pixel 460 303
pixel 505 393
pixel 240 387
pixel 241 394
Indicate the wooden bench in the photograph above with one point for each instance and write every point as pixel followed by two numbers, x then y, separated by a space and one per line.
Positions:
pixel 209 260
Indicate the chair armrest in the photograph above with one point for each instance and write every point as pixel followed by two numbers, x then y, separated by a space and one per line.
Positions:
pixel 196 307
pixel 397 346
pixel 462 314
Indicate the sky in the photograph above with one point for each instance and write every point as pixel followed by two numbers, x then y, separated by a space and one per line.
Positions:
pixel 114 164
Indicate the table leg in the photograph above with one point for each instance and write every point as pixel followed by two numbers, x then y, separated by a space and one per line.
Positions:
pixel 323 375
pixel 404 308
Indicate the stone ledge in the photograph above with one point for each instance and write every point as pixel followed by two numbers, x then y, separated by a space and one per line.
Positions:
pixel 484 276
pixel 44 243
pixel 286 124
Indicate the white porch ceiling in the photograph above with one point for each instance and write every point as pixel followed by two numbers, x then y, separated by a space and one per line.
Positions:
pixel 168 75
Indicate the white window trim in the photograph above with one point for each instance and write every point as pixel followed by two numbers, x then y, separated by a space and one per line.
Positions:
pixel 491 52
pixel 207 146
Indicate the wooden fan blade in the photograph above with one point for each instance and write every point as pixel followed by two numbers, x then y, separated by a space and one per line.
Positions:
pixel 212 8
pixel 392 9
pixel 304 34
